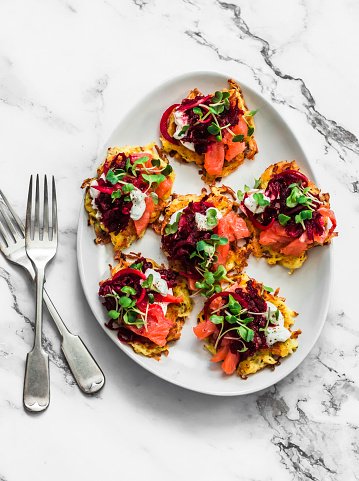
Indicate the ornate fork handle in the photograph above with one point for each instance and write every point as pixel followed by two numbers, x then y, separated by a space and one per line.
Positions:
pixel 37 377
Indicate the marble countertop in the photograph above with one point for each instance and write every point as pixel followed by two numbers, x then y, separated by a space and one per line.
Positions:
pixel 69 69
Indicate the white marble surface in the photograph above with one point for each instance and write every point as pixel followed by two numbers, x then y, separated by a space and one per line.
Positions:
pixel 69 69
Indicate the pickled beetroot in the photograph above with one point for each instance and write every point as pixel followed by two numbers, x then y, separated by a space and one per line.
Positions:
pixel 181 244
pixel 132 277
pixel 251 300
pixel 278 190
pixel 115 213
pixel 198 134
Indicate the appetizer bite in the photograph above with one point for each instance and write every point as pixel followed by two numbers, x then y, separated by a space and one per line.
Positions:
pixel 203 238
pixel 246 327
pixel 215 131
pixel 289 215
pixel 146 304
pixel 128 193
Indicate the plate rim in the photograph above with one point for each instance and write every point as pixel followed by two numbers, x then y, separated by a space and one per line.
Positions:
pixel 79 251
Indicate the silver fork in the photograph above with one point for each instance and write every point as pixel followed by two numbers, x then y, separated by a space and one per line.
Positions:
pixel 84 368
pixel 41 247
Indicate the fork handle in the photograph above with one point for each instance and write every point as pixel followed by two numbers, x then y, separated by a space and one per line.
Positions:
pixel 37 381
pixel 83 366
pixel 86 372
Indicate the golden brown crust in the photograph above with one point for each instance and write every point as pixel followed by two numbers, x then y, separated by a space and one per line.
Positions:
pixel 180 152
pixel 127 236
pixel 271 355
pixel 175 312
pixel 274 257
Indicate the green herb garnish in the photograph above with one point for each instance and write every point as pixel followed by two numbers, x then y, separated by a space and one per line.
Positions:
pixel 172 228
pixel 206 255
pixel 114 176
pixel 267 288
pixel 147 284
pixel 138 266
pixel 183 131
pixel 154 178
pixel 251 113
pixel 302 216
pixel 260 200
pixel 238 138
pixel 140 161
pixel 167 170
pixel 128 290
pixel 250 131
pixel 211 217
pixel 283 219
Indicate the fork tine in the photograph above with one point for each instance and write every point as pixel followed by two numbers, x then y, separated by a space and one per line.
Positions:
pixel 46 211
pixel 54 210
pixel 14 217
pixel 3 243
pixel 28 232
pixel 37 209
pixel 5 234
pixel 10 224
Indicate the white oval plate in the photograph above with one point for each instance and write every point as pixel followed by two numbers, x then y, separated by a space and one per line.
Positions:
pixel 307 290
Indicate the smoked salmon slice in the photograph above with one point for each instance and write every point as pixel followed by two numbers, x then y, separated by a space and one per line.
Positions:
pixel 214 158
pixel 164 187
pixel 235 148
pixel 204 329
pixel 158 326
pixel 230 363
pixel 233 228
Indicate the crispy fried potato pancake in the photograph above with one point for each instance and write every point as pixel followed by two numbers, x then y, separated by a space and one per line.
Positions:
pixel 269 356
pixel 180 152
pixel 222 199
pixel 272 256
pixel 124 238
pixel 175 312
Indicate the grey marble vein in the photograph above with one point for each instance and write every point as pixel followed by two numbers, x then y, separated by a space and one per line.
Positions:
pixel 335 135
pixel 301 446
pixel 55 356
pixel 140 3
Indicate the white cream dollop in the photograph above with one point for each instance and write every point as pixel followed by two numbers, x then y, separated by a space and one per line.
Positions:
pixel 188 145
pixel 138 208
pixel 181 120
pixel 277 333
pixel 201 219
pixel 158 282
pixel 251 203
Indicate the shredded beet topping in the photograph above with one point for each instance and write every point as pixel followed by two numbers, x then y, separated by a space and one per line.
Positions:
pixel 115 213
pixel 179 246
pixel 198 134
pixel 115 285
pixel 169 276
pixel 118 162
pixel 255 304
pixel 145 264
pixel 131 279
pixel 278 190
